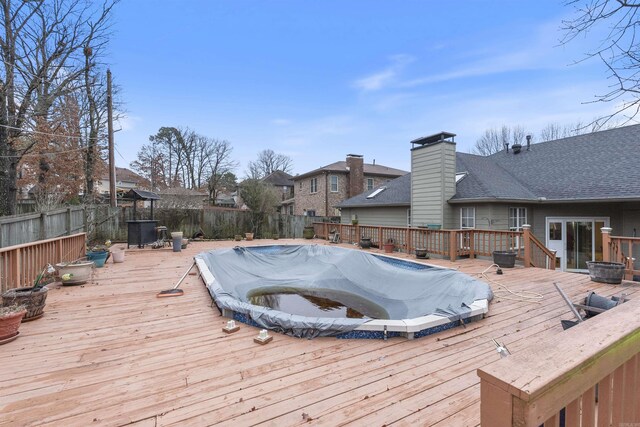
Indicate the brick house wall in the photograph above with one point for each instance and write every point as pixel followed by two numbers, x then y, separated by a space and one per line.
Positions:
pixel 306 201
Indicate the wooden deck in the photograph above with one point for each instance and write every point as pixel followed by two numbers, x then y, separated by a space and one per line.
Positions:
pixel 111 353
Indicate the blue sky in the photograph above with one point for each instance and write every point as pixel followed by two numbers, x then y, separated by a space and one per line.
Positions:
pixel 317 80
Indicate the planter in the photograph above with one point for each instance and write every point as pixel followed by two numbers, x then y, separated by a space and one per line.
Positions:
pixel 118 256
pixel 185 242
pixel 99 258
pixel 388 247
pixel 606 272
pixel 422 253
pixel 80 272
pixel 276 237
pixel 248 236
pixel 9 324
pixel 504 259
pixel 237 237
pixel 33 301
pixel 365 242
pixel 308 233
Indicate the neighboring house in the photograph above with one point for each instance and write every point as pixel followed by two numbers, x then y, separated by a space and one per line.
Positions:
pixel 284 184
pixel 318 192
pixel 227 200
pixel 181 198
pixel 125 180
pixel 567 190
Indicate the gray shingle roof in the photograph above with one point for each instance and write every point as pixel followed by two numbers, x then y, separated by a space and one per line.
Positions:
pixel 341 167
pixel 397 193
pixel 595 166
pixel 599 166
pixel 279 179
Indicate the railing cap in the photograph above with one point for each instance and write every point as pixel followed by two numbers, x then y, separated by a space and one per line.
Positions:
pixel 606 230
pixel 526 226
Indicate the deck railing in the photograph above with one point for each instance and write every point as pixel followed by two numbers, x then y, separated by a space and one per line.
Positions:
pixel 20 264
pixel 590 372
pixel 622 249
pixel 447 243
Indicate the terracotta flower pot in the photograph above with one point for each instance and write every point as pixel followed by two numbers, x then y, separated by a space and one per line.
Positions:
pixel 9 324
pixel 249 236
pixel 388 247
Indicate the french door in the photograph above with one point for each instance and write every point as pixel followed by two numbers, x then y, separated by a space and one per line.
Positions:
pixel 576 240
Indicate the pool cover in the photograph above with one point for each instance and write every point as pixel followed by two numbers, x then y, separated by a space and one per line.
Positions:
pixel 404 289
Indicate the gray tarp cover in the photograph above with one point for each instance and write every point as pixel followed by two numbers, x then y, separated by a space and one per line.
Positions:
pixel 404 293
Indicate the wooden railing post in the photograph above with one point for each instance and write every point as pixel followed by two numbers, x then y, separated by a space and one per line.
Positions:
pixel 380 242
pixel 453 245
pixel 526 241
pixel 472 244
pixel 408 240
pixel 606 243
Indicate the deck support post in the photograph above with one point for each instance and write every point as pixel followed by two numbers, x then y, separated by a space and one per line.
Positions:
pixel 606 243
pixel 526 241
pixel 453 245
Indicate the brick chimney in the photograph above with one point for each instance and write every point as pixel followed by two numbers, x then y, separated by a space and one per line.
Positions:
pixel 355 177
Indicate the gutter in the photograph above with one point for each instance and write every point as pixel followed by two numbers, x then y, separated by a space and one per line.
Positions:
pixel 541 200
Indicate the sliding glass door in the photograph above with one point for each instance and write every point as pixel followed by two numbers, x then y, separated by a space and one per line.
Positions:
pixel 575 240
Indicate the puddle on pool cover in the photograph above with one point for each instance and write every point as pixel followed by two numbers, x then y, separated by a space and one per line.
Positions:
pixel 317 303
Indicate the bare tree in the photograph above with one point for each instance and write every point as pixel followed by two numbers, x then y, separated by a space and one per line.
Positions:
pixel 269 161
pixel 220 165
pixel 41 52
pixel 618 49
pixel 261 199
pixel 494 140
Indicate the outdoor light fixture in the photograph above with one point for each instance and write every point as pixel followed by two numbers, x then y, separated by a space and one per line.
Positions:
pixel 231 327
pixel 263 337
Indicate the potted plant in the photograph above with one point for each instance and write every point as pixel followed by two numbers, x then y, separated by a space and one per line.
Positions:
pixel 237 237
pixel 33 298
pixel 389 246
pixel 606 272
pixel 504 259
pixel 354 221
pixel 365 242
pixel 276 237
pixel 422 253
pixel 76 272
pixel 10 319
pixel 99 253
pixel 248 236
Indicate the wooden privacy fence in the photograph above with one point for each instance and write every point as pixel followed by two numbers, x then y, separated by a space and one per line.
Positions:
pixel 447 243
pixel 589 374
pixel 622 249
pixel 19 229
pixel 21 264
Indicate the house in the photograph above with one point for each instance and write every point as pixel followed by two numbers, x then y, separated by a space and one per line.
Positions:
pixel 319 191
pixel 567 190
pixel 283 182
pixel 126 180
pixel 181 198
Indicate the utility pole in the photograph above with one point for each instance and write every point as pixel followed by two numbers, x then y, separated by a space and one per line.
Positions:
pixel 112 164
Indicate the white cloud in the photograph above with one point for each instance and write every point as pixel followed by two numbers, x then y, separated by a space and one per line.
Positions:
pixel 127 122
pixel 385 77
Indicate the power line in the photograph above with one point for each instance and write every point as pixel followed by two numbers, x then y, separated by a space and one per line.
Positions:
pixel 55 153
pixel 47 133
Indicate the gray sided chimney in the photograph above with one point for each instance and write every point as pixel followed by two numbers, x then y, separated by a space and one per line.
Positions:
pixel 433 180
pixel 355 176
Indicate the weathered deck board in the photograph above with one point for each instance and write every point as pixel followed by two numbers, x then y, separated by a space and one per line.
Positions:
pixel 111 353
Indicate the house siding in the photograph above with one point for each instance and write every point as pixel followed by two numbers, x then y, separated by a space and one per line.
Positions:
pixel 433 183
pixel 380 216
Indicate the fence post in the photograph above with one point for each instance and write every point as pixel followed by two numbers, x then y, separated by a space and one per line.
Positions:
pixel 43 225
pixel 380 242
pixel 526 238
pixel 472 244
pixel 606 243
pixel 68 222
pixel 453 245
pixel 408 240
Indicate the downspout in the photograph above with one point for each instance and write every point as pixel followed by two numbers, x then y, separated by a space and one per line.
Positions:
pixel 326 193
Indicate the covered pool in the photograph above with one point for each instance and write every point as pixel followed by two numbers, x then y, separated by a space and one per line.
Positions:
pixel 352 293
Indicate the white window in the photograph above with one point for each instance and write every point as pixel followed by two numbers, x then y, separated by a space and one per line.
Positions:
pixel 408 217
pixel 334 183
pixel 369 184
pixel 517 217
pixel 468 217
pixel 290 209
pixel 314 185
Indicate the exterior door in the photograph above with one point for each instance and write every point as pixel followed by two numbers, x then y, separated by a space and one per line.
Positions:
pixel 576 241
